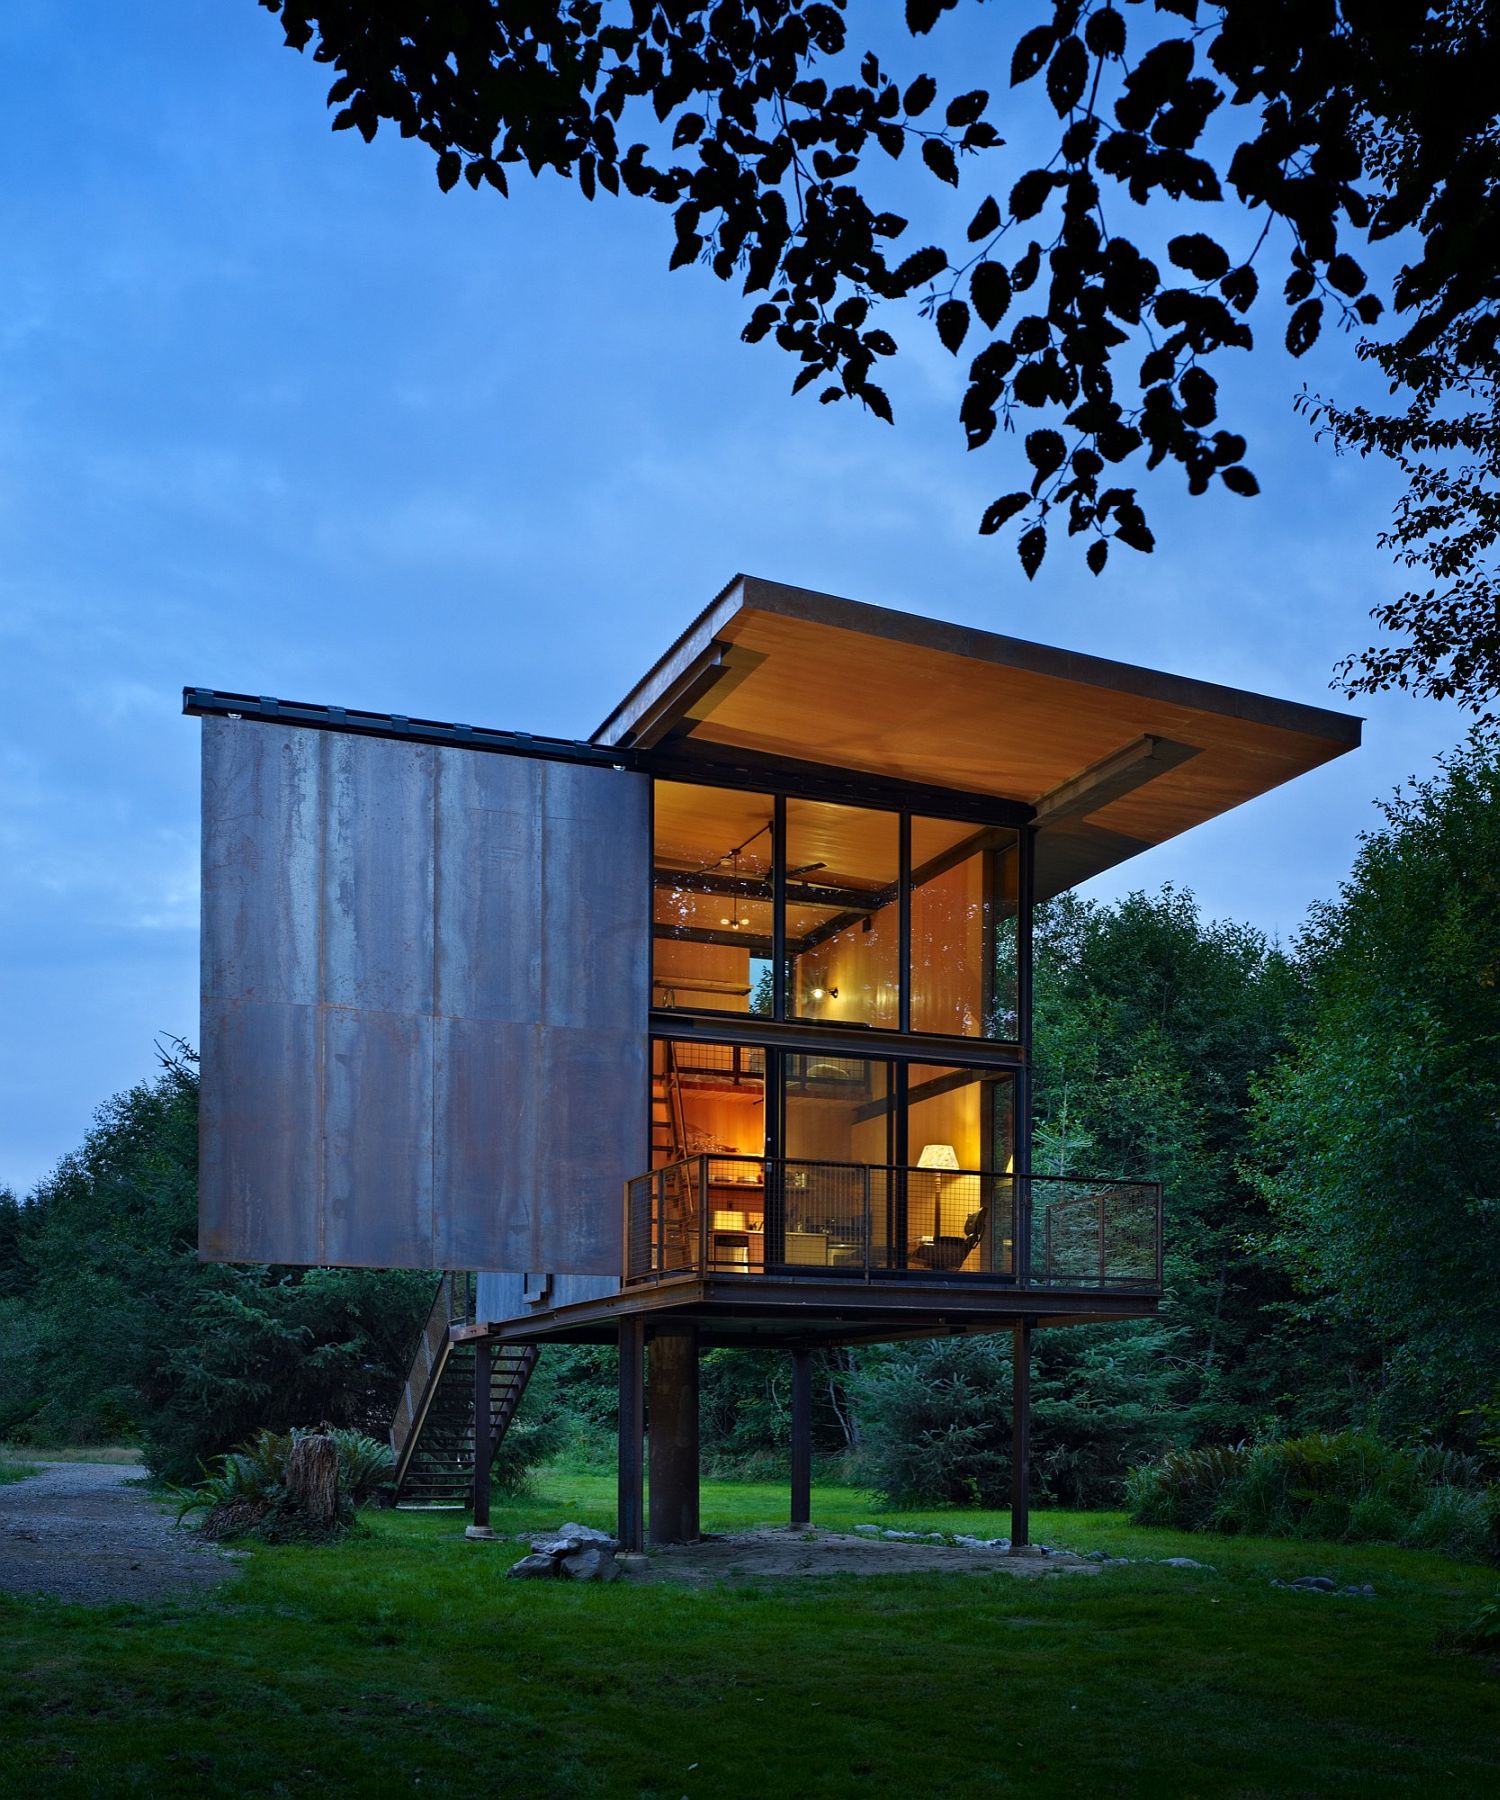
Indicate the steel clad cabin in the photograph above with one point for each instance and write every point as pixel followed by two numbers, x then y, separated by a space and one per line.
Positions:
pixel 712 1028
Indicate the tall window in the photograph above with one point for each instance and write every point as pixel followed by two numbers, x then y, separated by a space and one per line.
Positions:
pixel 964 887
pixel 712 899
pixel 843 941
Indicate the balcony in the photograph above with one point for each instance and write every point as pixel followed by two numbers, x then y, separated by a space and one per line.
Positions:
pixel 755 1216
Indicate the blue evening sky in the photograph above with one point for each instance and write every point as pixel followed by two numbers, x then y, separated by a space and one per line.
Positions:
pixel 277 416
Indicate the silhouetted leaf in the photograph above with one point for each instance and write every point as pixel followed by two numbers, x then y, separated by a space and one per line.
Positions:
pixel 1199 255
pixel 1030 53
pixel 1098 551
pixel 1029 195
pixel 1067 75
pixel 1031 549
pixel 998 511
pixel 989 288
pixel 1239 287
pixel 1239 480
pixel 919 268
pixel 1105 36
pixel 449 168
pixel 966 108
pixel 1303 326
pixel 875 398
pixel 1345 274
pixel 986 222
pixel 952 324
pixel 919 96
pixel 1045 451
pixel 940 159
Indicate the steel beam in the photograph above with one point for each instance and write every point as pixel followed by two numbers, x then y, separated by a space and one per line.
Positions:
pixel 672 1385
pixel 630 1527
pixel 483 1445
pixel 1020 1437
pixel 801 1436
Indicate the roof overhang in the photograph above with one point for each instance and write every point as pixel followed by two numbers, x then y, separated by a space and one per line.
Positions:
pixel 1113 758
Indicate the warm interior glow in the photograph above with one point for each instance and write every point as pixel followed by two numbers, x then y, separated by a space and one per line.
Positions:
pixel 938 1156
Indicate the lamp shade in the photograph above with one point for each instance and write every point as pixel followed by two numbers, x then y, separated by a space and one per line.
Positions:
pixel 938 1156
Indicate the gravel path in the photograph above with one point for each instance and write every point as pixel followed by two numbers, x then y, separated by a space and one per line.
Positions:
pixel 77 1531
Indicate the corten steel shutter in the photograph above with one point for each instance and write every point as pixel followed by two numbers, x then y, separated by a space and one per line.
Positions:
pixel 425 993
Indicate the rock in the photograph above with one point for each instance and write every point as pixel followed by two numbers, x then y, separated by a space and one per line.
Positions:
pixel 1312 1584
pixel 868 1530
pixel 1366 1592
pixel 909 1537
pixel 593 1562
pixel 533 1568
pixel 974 1543
pixel 1184 1562
pixel 571 1537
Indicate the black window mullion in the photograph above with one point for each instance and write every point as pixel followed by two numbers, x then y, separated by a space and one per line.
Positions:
pixel 903 927
pixel 778 907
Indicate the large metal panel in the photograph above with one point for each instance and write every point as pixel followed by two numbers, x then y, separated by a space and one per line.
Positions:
pixel 425 1003
pixel 260 1163
pixel 262 809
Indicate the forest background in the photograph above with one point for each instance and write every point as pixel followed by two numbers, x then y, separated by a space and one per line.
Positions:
pixel 1325 1117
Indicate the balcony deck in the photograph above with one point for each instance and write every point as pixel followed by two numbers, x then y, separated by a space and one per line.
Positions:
pixel 774 1251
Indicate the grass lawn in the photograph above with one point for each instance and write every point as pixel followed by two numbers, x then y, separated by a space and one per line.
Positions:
pixel 403 1661
pixel 12 1470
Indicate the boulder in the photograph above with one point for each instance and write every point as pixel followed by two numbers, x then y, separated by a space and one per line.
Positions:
pixel 593 1562
pixel 533 1568
pixel 571 1537
pixel 1183 1562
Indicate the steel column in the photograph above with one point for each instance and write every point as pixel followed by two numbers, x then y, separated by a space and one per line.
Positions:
pixel 801 1437
pixel 630 1522
pixel 1020 1436
pixel 673 1403
pixel 483 1445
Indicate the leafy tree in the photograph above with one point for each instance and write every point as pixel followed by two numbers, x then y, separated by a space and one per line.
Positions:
pixel 1378 1140
pixel 1326 125
pixel 127 1332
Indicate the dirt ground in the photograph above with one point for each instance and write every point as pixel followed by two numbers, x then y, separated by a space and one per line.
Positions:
pixel 80 1532
pixel 777 1554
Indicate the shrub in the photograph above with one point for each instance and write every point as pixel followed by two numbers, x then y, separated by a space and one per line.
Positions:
pixel 937 1429
pixel 1185 1487
pixel 264 1489
pixel 1349 1485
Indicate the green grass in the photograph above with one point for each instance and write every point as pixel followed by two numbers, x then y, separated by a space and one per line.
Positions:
pixel 87 1453
pixel 11 1470
pixel 404 1661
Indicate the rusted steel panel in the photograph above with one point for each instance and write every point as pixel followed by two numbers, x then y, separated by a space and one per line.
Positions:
pixel 595 929
pixel 489 890
pixel 377 1141
pixel 593 1123
pixel 486 1139
pixel 467 935
pixel 262 803
pixel 378 874
pixel 260 1163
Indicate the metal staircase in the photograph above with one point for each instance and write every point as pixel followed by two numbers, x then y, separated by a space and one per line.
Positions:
pixel 432 1434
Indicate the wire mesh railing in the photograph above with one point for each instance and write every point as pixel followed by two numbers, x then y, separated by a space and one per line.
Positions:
pixel 792 1216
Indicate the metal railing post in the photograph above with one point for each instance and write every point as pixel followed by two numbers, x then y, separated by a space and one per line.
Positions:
pixel 702 1215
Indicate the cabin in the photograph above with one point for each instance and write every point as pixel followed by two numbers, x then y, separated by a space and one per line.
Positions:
pixel 712 1028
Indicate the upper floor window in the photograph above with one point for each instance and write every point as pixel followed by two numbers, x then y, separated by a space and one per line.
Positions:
pixel 715 881
pixel 712 899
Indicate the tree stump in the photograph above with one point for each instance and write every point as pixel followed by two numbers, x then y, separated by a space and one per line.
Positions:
pixel 312 1477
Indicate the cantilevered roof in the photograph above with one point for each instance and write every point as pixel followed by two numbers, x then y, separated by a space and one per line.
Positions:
pixel 1114 758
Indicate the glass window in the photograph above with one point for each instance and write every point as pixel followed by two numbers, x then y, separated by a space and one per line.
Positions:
pixel 836 1195
pixel 712 899
pixel 843 914
pixel 964 885
pixel 960 1153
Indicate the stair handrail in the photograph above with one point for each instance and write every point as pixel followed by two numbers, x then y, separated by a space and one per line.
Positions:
pixel 426 1368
